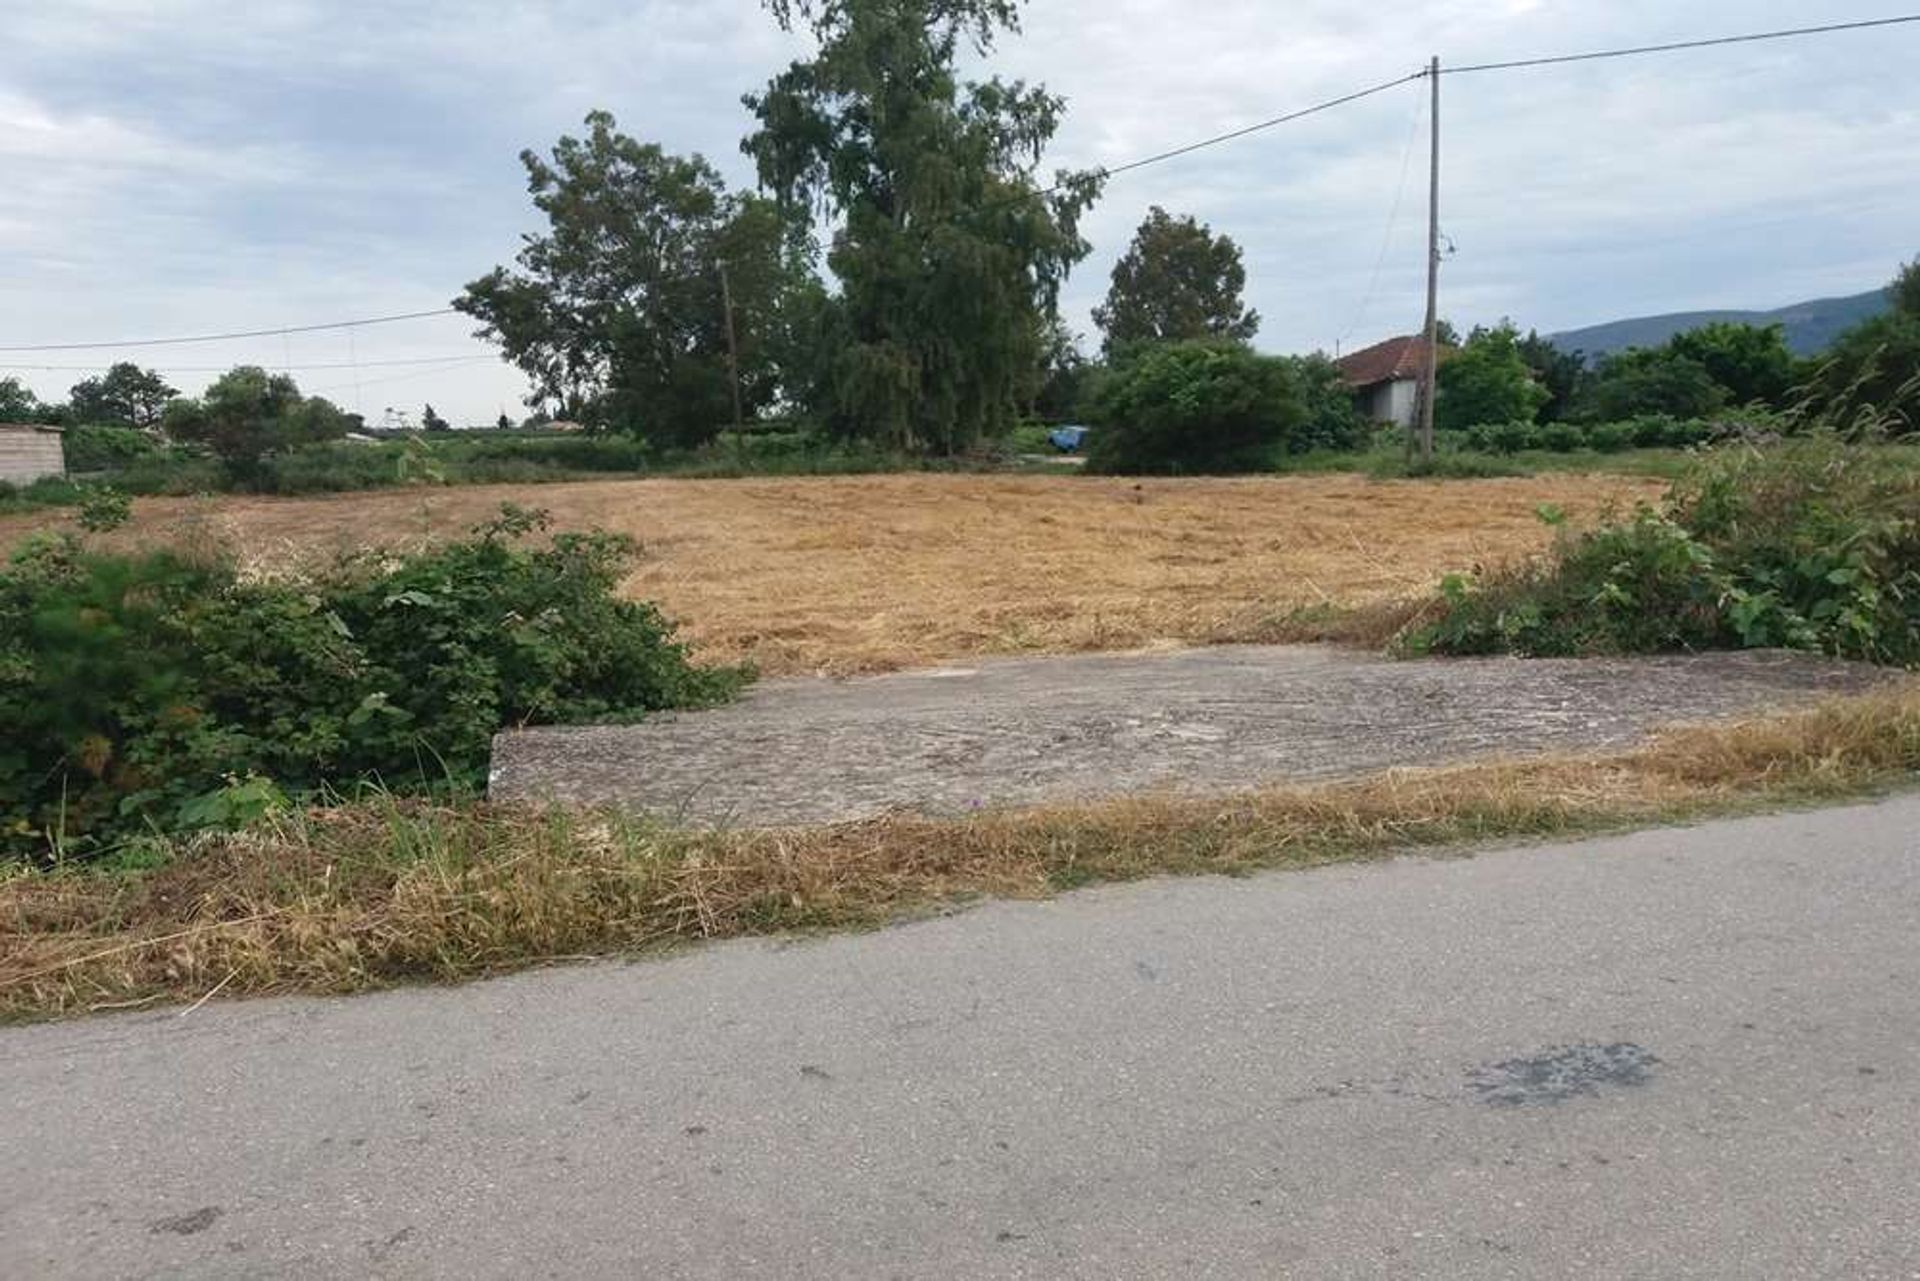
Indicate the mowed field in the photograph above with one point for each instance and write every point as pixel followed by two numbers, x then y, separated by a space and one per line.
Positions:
pixel 873 573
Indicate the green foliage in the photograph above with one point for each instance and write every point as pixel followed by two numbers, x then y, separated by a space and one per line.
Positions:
pixel 18 404
pixel 157 691
pixel 1561 373
pixel 94 447
pixel 1064 376
pixel 1904 292
pixel 125 396
pixel 248 415
pixel 1650 431
pixel 617 313
pixel 1751 363
pixel 1487 381
pixel 1808 544
pixel 1193 407
pixel 1656 380
pixel 1329 418
pixel 1869 380
pixel 1177 281
pixel 104 509
pixel 948 258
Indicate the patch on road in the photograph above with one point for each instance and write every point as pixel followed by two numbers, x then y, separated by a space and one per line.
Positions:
pixel 1562 1074
pixel 1015 732
pixel 187 1224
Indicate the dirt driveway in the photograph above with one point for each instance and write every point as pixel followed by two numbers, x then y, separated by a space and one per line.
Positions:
pixel 1031 731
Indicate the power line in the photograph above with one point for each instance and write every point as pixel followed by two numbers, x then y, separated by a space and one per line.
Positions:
pixel 249 333
pixel 447 368
pixel 1103 171
pixel 1291 116
pixel 1785 34
pixel 221 369
pixel 1341 101
pixel 1393 220
pixel 1214 141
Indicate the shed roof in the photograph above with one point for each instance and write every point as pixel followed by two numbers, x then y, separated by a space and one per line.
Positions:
pixel 1388 361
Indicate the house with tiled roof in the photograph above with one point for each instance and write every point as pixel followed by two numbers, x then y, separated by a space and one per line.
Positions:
pixel 1385 378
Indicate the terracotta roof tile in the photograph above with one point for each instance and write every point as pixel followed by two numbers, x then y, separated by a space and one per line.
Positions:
pixel 1388 361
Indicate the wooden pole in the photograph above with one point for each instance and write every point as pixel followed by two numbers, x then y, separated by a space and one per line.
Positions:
pixel 1429 376
pixel 733 361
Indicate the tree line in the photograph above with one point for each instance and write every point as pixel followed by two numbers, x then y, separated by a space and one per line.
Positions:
pixel 895 275
pixel 1499 376
pixel 655 291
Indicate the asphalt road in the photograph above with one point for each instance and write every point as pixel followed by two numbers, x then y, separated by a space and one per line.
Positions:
pixel 1684 1053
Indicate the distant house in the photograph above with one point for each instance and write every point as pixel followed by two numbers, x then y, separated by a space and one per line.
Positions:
pixel 1385 378
pixel 29 452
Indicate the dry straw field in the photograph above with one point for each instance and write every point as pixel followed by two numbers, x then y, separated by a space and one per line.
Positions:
pixel 871 573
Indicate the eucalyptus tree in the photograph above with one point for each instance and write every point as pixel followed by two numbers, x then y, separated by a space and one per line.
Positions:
pixel 948 249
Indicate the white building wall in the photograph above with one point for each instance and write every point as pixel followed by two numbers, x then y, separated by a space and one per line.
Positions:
pixel 28 453
pixel 1392 402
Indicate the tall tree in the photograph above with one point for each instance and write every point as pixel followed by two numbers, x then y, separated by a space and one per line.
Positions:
pixel 430 420
pixel 1060 383
pixel 1905 289
pixel 948 257
pixel 126 395
pixel 18 404
pixel 249 414
pixel 617 313
pixel 1561 373
pixel 1177 281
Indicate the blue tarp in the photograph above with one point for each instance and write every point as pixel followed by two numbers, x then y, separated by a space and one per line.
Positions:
pixel 1067 439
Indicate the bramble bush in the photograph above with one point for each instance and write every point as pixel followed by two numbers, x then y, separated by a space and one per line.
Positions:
pixel 161 691
pixel 1810 543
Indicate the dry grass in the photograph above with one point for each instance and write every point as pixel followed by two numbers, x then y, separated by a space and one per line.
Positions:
pixel 871 573
pixel 371 895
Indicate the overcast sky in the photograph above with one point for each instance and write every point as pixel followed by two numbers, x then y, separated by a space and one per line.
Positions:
pixel 193 166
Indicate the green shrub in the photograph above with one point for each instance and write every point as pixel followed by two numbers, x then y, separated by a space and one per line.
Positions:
pixel 321 469
pixel 1502 438
pixel 1488 380
pixel 137 689
pixel 1808 544
pixel 1562 438
pixel 1329 418
pixel 92 447
pixel 174 472
pixel 1649 381
pixel 1609 438
pixel 1192 407
pixel 1650 431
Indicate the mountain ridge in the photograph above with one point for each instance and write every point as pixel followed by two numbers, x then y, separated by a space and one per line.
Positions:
pixel 1810 326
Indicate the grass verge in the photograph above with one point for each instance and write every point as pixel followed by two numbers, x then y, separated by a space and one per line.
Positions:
pixel 377 894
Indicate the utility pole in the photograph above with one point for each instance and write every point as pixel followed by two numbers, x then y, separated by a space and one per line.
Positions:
pixel 1430 375
pixel 733 361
